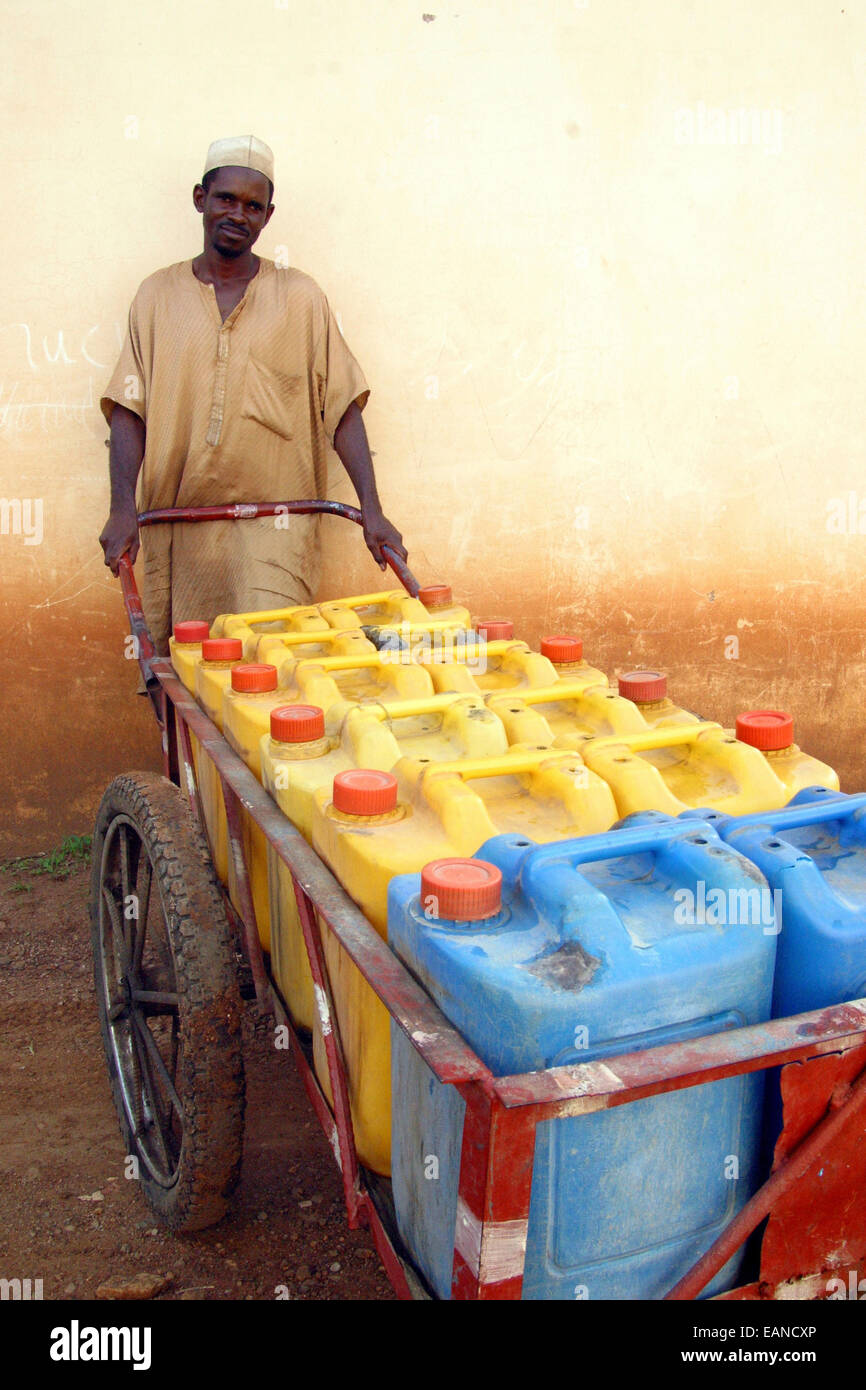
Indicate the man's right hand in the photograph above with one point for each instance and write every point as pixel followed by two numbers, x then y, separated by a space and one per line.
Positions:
pixel 119 534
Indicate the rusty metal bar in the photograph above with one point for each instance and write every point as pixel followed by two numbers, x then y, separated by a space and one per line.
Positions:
pixel 347 1154
pixel 841 1110
pixel 393 1266
pixel 187 763
pixel 366 1207
pixel 626 1077
pixel 144 648
pixel 169 723
pixel 246 909
pixel 493 1198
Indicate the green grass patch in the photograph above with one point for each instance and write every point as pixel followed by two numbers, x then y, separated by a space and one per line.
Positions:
pixel 58 863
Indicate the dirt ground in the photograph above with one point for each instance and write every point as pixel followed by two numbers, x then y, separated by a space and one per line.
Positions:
pixel 68 1215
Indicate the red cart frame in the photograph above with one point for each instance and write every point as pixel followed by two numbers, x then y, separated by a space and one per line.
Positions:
pixel 815 1198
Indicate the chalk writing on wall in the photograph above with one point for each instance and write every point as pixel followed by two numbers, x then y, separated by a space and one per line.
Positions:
pixel 49 382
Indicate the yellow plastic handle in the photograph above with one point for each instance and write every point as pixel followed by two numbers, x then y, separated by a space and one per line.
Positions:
pixel 466 649
pixel 410 709
pixel 306 639
pixel 363 600
pixel 407 627
pixel 653 738
pixel 276 615
pixel 505 766
pixel 372 661
pixel 547 694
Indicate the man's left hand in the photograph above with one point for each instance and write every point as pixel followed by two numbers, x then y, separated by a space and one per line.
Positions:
pixel 379 531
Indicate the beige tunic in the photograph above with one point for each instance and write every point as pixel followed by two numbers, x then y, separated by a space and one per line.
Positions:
pixel 240 411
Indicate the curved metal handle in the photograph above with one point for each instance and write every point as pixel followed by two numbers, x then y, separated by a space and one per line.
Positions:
pixel 244 511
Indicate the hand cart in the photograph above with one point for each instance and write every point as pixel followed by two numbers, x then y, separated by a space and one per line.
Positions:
pixel 173 959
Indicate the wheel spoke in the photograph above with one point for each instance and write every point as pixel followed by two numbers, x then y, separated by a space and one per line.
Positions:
pixel 156 996
pixel 117 933
pixel 128 928
pixel 137 1097
pixel 175 1036
pixel 150 1129
pixel 124 859
pixel 156 1057
pixel 143 909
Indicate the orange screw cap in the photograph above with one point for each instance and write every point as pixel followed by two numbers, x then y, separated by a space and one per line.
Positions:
pixel 562 649
pixel 297 723
pixel 193 631
pixel 464 890
pixel 643 686
pixel 254 677
pixel 767 729
pixel 222 649
pixel 362 791
pixel 435 595
pixel 495 629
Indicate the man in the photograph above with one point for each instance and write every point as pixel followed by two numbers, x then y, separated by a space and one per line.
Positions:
pixel 233 385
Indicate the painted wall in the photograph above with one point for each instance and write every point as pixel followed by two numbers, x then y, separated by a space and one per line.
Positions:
pixel 602 264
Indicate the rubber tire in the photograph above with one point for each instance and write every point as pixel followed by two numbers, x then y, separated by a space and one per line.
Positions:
pixel 210 1073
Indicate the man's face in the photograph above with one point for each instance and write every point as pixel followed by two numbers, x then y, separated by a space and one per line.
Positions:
pixel 235 209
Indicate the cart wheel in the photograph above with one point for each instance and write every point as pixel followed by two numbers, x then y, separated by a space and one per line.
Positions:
pixel 168 999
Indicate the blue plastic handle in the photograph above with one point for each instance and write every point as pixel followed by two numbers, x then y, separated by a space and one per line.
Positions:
pixel 550 872
pixel 614 844
pixel 837 806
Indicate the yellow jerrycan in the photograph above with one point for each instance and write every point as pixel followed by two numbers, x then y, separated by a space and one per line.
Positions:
pixel 276 648
pixel 678 767
pixel 499 663
pixel 772 731
pixel 394 608
pixel 564 715
pixel 184 648
pixel 333 684
pixel 255 689
pixel 649 691
pixel 213 670
pixel 250 626
pixel 247 704
pixel 298 759
pixel 565 654
pixel 355 678
pixel 370 826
